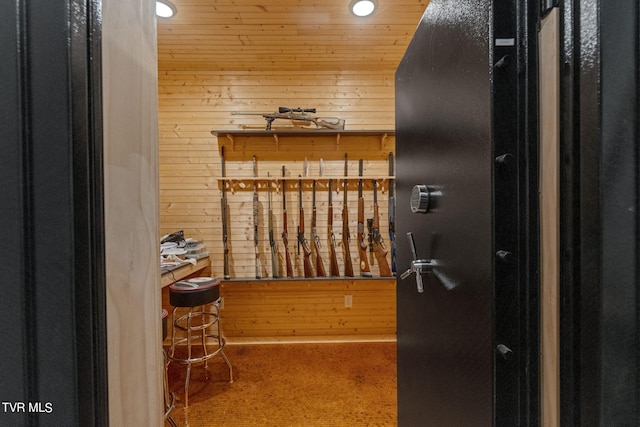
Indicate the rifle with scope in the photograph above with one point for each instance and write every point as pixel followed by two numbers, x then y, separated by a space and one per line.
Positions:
pixel 299 117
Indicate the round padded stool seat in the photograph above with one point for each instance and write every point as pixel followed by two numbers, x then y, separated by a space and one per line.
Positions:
pixel 194 292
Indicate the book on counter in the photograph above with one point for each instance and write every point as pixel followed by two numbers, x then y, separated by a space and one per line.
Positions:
pixel 195 283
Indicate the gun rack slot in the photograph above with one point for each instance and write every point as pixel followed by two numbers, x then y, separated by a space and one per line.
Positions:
pixel 322 183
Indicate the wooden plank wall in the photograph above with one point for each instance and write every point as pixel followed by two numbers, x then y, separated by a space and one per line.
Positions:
pixel 192 104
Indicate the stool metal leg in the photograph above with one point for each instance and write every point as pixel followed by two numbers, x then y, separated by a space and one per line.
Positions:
pixel 169 397
pixel 186 381
pixel 208 317
pixel 203 335
pixel 221 342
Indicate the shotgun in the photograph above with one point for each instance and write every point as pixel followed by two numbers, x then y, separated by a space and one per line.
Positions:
pixel 346 234
pixel 275 270
pixel 378 243
pixel 333 258
pixel 256 219
pixel 314 236
pixel 302 241
pixel 365 270
pixel 225 236
pixel 285 233
pixel 392 213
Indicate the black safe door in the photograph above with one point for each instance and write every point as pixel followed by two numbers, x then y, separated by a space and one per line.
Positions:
pixel 466 349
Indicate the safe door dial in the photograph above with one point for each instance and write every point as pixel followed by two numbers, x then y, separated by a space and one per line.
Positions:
pixel 420 199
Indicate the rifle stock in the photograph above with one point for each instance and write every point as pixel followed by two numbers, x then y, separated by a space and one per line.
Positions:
pixel 223 203
pixel 321 272
pixel 285 232
pixel 302 241
pixel 365 270
pixel 346 234
pixel 379 250
pixel 333 257
pixel 275 269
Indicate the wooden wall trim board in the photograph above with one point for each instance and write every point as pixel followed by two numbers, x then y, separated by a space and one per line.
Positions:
pixel 549 216
pixel 192 103
pixel 131 214
pixel 306 310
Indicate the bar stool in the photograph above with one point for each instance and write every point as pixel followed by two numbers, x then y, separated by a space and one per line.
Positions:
pixel 169 397
pixel 201 295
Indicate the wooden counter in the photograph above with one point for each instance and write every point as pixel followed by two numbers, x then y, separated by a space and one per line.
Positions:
pixel 183 271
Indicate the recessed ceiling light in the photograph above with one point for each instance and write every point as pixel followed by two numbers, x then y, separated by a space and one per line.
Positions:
pixel 362 7
pixel 165 9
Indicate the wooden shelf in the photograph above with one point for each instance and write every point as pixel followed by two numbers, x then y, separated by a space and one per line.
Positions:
pixel 229 137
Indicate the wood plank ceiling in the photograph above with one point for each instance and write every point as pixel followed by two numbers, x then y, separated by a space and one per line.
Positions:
pixel 296 35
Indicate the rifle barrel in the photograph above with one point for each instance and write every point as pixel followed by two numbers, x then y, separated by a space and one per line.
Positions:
pixel 285 232
pixel 320 270
pixel 346 234
pixel 223 203
pixel 275 269
pixel 379 250
pixel 365 269
pixel 302 241
pixel 333 258
pixel 392 213
pixel 256 219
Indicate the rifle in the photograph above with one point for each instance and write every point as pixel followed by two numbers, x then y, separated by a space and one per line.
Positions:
pixel 392 214
pixel 275 270
pixel 285 233
pixel 346 234
pixel 302 241
pixel 256 218
pixel 333 258
pixel 365 270
pixel 378 244
pixel 314 235
pixel 223 203
pixel 300 116
pixel 369 235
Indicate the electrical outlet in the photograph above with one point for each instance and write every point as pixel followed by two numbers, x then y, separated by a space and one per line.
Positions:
pixel 348 301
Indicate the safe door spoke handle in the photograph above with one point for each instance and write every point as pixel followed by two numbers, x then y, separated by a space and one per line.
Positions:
pixel 418 266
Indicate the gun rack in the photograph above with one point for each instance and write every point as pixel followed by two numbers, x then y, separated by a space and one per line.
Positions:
pixel 308 157
pixel 322 182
